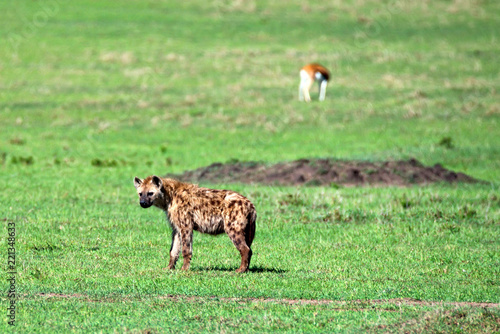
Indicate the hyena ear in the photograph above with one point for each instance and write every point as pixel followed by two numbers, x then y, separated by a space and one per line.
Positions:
pixel 137 182
pixel 157 181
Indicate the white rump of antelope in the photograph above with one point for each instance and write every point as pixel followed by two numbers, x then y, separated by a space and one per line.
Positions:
pixel 309 74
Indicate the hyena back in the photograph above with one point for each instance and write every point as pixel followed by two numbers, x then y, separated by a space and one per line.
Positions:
pixel 189 207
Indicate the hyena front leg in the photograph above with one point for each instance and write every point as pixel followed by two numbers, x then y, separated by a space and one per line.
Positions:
pixel 187 247
pixel 175 249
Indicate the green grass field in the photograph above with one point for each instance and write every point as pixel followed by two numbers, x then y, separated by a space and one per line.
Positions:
pixel 93 93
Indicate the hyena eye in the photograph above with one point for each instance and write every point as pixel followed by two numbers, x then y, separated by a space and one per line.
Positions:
pixel 140 194
pixel 150 194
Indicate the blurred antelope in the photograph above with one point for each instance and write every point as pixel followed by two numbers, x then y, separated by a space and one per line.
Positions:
pixel 309 74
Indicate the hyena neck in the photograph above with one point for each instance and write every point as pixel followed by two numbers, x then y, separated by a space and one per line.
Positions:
pixel 164 201
pixel 167 190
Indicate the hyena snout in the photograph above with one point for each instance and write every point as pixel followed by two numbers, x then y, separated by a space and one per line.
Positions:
pixel 145 203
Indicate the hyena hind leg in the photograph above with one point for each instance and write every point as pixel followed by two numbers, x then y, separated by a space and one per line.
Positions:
pixel 243 240
pixel 239 242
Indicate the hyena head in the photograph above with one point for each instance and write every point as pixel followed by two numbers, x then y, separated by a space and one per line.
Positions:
pixel 149 190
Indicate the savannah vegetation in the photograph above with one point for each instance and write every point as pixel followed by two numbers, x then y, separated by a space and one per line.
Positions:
pixel 93 93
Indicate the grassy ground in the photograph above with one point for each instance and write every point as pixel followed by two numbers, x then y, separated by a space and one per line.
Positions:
pixel 94 93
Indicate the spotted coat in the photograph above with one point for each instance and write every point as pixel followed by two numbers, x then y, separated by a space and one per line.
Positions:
pixel 192 208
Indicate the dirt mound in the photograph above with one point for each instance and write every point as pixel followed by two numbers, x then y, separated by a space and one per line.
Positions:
pixel 325 172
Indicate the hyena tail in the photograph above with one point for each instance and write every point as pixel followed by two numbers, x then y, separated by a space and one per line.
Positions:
pixel 250 229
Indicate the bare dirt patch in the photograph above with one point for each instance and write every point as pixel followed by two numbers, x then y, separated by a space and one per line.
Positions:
pixel 325 172
pixel 357 303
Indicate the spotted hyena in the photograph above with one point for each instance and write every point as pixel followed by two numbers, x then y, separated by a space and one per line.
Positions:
pixel 189 207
